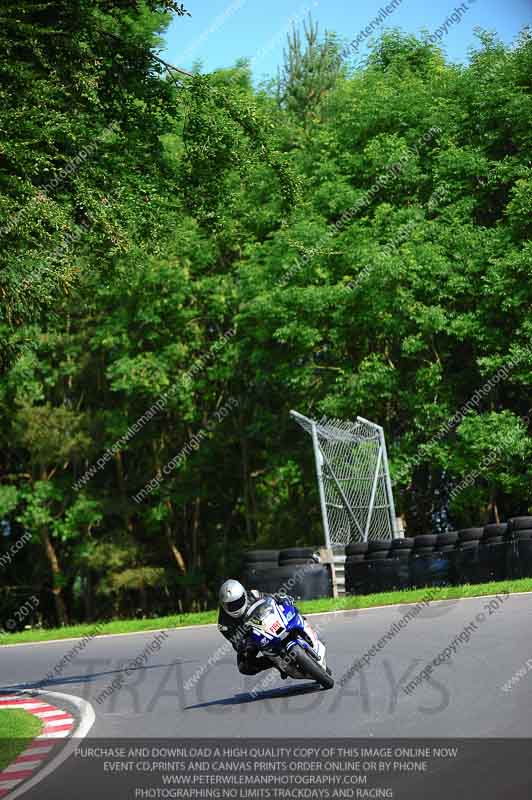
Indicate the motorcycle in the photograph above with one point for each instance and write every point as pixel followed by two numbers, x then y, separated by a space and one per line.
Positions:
pixel 286 638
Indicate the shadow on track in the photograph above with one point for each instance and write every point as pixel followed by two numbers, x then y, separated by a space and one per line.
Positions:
pixel 248 697
pixel 72 679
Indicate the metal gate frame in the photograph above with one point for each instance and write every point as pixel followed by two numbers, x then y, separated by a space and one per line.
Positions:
pixel 325 472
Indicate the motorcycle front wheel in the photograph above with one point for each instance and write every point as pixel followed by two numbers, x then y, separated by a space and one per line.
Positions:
pixel 310 667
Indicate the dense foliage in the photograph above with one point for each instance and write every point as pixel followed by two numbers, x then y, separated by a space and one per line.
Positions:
pixel 185 260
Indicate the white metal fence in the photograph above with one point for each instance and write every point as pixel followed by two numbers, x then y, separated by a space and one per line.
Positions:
pixel 353 479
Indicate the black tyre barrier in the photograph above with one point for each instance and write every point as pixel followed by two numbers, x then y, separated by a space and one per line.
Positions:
pixel 400 565
pixel 295 552
pixel 493 561
pixel 356 577
pixel 315 581
pixel 294 562
pixel 495 529
pixel 402 544
pixel 356 548
pixel 471 545
pixel 443 570
pixel 473 555
pixel 450 537
pixel 470 534
pixel 403 555
pixel 263 577
pixel 381 574
pixel 492 540
pixel 263 556
pixel 521 554
pixel 434 569
pixel 379 544
pixel 303 582
pixel 425 540
pixel 522 536
pixel 466 562
pixel 420 569
pixel 259 566
pixel 520 524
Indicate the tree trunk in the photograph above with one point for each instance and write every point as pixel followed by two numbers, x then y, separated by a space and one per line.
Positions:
pixel 196 534
pixel 176 552
pixel 178 557
pixel 128 517
pixel 493 509
pixel 174 549
pixel 57 576
pixel 88 596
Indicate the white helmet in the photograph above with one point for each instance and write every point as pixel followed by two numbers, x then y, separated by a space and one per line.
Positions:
pixel 233 598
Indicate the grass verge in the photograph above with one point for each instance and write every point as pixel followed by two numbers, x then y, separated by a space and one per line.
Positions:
pixel 17 730
pixel 307 607
pixel 415 596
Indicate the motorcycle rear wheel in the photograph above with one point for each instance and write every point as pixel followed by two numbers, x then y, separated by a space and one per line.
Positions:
pixel 310 667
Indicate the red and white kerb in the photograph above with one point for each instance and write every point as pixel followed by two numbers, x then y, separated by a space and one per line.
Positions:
pixel 57 724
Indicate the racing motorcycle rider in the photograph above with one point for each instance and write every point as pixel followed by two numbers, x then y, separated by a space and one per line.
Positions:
pixel 234 602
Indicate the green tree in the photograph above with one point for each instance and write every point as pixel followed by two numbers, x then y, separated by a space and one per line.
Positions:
pixel 310 70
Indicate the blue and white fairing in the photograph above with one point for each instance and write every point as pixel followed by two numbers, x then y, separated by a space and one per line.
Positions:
pixel 275 627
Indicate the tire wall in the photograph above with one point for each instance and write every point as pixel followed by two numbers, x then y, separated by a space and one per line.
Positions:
pixel 520 555
pixel 478 555
pixel 304 581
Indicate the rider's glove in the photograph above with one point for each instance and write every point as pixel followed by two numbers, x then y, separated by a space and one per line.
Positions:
pixel 247 647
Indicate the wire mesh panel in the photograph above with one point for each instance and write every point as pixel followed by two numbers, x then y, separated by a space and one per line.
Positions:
pixel 353 479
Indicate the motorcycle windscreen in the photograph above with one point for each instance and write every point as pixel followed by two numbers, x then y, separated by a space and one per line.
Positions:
pixel 259 612
pixel 265 616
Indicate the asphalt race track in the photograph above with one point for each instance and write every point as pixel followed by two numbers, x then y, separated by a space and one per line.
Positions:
pixel 463 698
